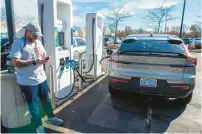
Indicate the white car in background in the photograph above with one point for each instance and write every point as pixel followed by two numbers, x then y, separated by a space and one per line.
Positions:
pixel 79 46
pixel 118 40
pixel 196 42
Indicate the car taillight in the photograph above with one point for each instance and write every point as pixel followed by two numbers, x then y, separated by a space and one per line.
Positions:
pixel 183 87
pixel 114 57
pixel 119 81
pixel 191 60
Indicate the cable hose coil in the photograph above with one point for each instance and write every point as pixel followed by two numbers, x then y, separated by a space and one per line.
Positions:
pixel 104 58
pixel 74 80
pixel 61 98
pixel 93 63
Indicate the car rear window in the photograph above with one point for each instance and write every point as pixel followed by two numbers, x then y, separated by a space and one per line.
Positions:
pixel 152 46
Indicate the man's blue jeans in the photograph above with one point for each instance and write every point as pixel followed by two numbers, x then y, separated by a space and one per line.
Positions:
pixel 31 94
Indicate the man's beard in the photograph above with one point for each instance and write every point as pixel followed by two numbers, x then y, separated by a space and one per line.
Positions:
pixel 31 40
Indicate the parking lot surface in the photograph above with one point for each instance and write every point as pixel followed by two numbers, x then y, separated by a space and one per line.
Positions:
pixel 97 112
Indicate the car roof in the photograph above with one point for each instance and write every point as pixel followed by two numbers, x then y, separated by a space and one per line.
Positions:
pixel 152 37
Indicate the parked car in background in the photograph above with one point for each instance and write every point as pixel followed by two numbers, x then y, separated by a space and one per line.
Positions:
pixel 122 38
pixel 187 40
pixel 118 40
pixel 79 46
pixel 196 43
pixel 5 51
pixel 153 65
pixel 108 41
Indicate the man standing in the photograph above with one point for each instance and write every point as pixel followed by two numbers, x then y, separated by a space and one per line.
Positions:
pixel 28 56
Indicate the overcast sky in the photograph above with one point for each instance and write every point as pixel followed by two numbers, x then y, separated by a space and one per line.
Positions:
pixel 138 8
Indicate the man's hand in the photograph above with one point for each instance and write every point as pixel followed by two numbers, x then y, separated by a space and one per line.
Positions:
pixel 25 63
pixel 42 61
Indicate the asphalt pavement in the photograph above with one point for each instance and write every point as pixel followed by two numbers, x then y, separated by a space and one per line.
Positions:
pixel 97 112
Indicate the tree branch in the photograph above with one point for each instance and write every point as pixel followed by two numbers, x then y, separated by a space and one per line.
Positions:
pixel 158 15
pixel 115 16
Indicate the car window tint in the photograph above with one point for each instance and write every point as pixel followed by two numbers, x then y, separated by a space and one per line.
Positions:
pixel 152 45
pixel 80 42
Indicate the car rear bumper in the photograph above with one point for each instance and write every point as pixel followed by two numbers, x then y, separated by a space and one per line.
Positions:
pixel 164 89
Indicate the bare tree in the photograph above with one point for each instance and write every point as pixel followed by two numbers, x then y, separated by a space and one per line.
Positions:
pixel 18 19
pixel 29 18
pixel 195 31
pixel 3 18
pixel 175 29
pixel 117 15
pixel 129 30
pixel 157 16
pixel 199 18
pixel 111 28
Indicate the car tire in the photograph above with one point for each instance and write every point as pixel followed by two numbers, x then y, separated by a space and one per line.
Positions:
pixel 113 91
pixel 185 101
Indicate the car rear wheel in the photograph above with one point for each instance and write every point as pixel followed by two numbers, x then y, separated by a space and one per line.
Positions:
pixel 113 91
pixel 185 101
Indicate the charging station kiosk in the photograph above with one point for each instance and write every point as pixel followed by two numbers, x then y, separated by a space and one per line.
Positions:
pixel 55 17
pixel 94 42
pixel 14 113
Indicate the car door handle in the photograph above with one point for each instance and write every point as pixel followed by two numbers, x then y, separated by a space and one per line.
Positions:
pixel 76 51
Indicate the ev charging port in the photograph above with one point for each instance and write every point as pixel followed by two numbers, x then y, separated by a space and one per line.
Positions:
pixel 66 58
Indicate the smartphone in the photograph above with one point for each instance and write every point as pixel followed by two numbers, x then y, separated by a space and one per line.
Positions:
pixel 47 58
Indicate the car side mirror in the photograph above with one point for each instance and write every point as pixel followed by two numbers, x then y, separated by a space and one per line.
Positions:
pixel 109 52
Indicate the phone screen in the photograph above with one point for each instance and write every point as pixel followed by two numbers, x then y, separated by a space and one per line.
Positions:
pixel 47 58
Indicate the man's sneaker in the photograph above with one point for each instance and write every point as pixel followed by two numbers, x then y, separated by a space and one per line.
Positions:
pixel 55 121
pixel 40 130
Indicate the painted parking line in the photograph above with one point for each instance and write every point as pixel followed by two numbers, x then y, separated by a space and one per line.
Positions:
pixel 62 129
pixel 59 129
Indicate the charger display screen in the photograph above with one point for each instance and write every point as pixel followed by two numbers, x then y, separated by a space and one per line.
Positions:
pixel 61 38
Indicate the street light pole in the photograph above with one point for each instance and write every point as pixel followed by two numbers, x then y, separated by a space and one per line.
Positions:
pixel 182 19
